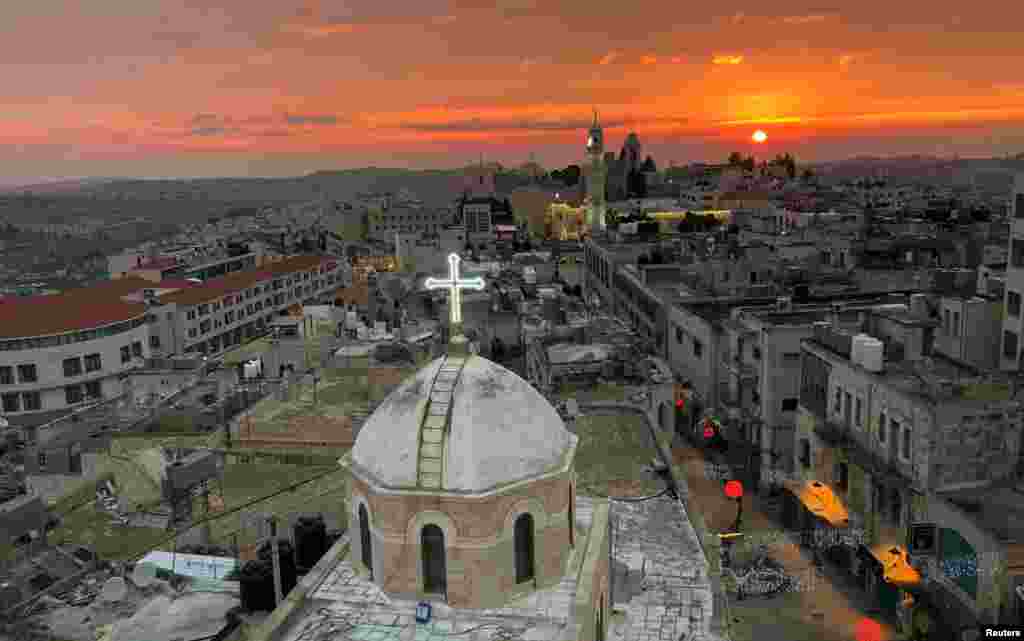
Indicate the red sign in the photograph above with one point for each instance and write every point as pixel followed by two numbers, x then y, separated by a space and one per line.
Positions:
pixel 733 489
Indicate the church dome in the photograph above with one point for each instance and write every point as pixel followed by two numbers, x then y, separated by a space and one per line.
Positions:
pixel 461 425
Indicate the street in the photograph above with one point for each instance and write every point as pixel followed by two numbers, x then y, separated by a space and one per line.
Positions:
pixel 830 607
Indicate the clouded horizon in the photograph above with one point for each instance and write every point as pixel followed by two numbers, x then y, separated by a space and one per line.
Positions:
pixel 232 88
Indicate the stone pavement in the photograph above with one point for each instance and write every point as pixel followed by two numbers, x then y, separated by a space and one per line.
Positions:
pixel 828 612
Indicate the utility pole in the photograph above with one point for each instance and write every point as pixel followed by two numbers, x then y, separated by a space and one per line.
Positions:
pixel 276 561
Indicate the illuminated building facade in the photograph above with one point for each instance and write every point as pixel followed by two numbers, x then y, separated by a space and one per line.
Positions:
pixel 596 175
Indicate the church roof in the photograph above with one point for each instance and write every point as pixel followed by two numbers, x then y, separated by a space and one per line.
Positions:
pixel 461 425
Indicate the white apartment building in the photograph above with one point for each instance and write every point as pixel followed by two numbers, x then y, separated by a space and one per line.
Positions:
pixel 63 351
pixel 210 318
pixel 1013 321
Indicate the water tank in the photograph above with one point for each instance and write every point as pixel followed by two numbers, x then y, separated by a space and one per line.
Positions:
pixel 857 349
pixel 256 586
pixel 872 350
pixel 310 541
pixel 286 555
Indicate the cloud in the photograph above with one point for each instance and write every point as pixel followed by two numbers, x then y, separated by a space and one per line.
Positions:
pixel 208 131
pixel 531 124
pixel 300 119
pixel 812 18
pixel 649 60
pixel 320 30
pixel 608 58
pixel 727 60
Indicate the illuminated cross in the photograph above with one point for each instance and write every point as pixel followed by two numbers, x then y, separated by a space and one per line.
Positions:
pixel 455 285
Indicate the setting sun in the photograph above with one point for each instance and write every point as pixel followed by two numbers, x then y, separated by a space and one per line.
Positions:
pixel 759 136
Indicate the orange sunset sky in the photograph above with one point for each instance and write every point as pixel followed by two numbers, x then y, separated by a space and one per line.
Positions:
pixel 164 88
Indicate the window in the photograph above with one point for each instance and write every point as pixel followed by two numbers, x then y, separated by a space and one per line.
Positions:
pixel 126 354
pixel 1019 206
pixel 857 414
pixel 756 352
pixel 679 336
pixel 367 543
pixel 1017 252
pixel 137 349
pixel 31 401
pixel 6 375
pixel 41 459
pixel 789 404
pixel 193 332
pixel 791 357
pixel 93 389
pixel 698 349
pixel 27 373
pixel 753 277
pixel 956 323
pixel 154 342
pixel 93 363
pixel 204 309
pixel 881 427
pixel 947 322
pixel 72 366
pixel 906 443
pixel 805 452
pixel 11 402
pixel 435 572
pixel 838 409
pixel 523 544
pixel 73 394
pixel 190 314
pixel 1013 303
pixel 1010 344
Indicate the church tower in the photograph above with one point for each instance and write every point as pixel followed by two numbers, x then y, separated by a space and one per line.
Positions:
pixel 596 174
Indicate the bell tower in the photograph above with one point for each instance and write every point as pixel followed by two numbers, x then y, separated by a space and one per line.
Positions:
pixel 596 174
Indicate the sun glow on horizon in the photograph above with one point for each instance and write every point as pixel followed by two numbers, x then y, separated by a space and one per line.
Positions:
pixel 759 136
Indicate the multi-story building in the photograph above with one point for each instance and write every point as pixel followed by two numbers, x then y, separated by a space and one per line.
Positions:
pixel 62 351
pixel 900 433
pixel 1013 323
pixel 209 318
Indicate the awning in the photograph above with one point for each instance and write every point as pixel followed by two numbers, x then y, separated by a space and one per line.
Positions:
pixel 821 501
pixel 897 568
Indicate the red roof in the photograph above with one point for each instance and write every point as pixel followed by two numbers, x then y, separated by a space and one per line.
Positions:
pixel 238 281
pixel 72 310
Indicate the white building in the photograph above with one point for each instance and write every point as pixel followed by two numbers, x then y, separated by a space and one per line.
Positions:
pixel 63 351
pixel 1013 322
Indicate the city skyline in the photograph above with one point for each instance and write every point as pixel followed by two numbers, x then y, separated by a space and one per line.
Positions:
pixel 229 89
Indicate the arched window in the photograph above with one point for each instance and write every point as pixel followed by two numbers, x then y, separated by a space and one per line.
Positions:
pixel 435 572
pixel 367 544
pixel 572 515
pixel 524 548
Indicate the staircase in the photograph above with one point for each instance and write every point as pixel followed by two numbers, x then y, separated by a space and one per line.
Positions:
pixel 436 423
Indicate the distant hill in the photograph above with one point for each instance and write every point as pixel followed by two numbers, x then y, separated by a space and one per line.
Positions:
pixel 924 169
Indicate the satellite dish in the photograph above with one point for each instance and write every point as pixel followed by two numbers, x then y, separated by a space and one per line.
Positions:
pixel 115 589
pixel 144 574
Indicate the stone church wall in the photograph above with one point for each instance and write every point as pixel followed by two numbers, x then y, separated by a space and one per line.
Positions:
pixel 478 537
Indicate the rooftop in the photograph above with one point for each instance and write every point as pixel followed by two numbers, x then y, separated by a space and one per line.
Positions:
pixel 999 510
pixel 240 280
pixel 72 310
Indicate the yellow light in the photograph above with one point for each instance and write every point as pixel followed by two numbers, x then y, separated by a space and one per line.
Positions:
pixel 759 136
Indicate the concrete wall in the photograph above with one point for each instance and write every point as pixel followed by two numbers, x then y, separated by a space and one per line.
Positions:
pixel 49 362
pixel 702 372
pixel 593 592
pixel 478 538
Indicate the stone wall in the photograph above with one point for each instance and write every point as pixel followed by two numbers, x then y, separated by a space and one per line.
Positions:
pixel 592 595
pixel 478 538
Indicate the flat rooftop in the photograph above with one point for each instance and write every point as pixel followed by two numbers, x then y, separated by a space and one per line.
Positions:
pixel 658 572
